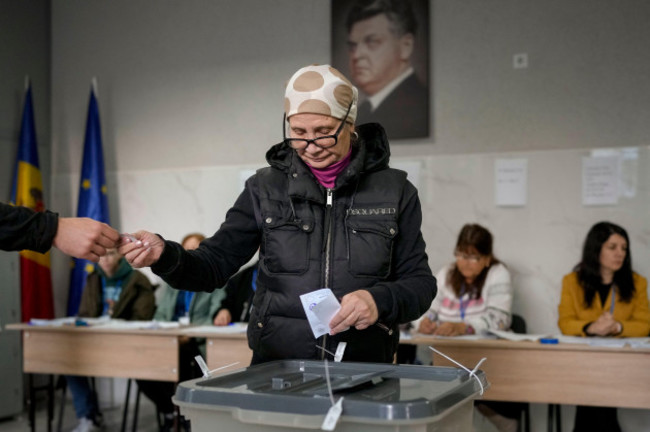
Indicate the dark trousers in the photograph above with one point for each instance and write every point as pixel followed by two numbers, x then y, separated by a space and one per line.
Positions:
pixel 161 392
pixel 591 418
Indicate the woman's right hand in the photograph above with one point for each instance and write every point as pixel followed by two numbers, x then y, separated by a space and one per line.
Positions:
pixel 427 326
pixel 141 249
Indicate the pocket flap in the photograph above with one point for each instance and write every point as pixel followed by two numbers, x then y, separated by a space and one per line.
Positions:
pixel 387 229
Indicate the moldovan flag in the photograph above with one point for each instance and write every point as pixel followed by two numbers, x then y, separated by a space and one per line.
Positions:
pixel 35 277
pixel 93 202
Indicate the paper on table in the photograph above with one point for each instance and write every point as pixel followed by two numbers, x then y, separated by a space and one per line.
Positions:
pixel 463 337
pixel 238 327
pixel 52 322
pixel 516 336
pixel 607 342
pixel 320 307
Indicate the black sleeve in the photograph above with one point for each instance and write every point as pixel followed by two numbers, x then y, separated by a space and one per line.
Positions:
pixel 217 258
pixel 23 228
pixel 238 292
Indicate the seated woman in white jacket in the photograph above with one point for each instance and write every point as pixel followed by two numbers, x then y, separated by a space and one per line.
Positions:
pixel 474 292
pixel 474 295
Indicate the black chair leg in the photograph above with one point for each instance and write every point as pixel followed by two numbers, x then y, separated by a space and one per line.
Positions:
pixel 126 406
pixel 554 416
pixel 32 403
pixel 524 420
pixel 64 387
pixel 50 402
pixel 134 428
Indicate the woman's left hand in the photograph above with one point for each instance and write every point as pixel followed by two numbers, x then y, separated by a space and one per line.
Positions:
pixel 358 310
pixel 450 329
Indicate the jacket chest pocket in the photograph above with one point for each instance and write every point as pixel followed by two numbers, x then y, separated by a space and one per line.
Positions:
pixel 286 244
pixel 370 247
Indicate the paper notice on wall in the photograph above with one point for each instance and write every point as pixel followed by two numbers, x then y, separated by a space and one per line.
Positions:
pixel 511 182
pixel 600 180
pixel 628 168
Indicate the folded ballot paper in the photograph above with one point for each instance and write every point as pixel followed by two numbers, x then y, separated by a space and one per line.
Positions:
pixel 320 307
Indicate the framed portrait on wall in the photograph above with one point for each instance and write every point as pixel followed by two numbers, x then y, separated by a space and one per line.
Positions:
pixel 383 47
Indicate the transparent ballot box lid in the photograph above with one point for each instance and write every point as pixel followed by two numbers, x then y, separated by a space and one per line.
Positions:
pixel 370 390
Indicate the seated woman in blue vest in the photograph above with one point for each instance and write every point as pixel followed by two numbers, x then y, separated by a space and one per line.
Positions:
pixel 116 290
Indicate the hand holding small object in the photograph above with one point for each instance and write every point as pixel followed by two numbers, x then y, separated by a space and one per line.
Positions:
pixel 358 310
pixel 141 249
pixel 84 238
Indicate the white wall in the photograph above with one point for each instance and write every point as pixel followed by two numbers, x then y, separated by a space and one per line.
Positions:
pixel 190 94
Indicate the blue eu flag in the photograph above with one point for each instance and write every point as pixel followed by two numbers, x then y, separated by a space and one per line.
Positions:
pixel 93 202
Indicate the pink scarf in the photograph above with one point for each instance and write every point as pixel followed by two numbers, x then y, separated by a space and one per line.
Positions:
pixel 327 176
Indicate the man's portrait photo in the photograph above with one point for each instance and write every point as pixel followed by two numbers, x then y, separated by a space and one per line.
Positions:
pixel 383 47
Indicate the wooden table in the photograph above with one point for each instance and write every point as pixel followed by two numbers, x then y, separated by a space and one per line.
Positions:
pixel 571 374
pixel 97 351
pixel 225 348
pixel 100 352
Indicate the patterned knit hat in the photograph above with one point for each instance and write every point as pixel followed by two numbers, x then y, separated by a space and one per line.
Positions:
pixel 321 89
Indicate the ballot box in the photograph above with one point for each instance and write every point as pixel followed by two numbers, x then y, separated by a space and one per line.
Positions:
pixel 296 395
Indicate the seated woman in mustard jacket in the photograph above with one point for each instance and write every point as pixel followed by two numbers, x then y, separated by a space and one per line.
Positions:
pixel 604 297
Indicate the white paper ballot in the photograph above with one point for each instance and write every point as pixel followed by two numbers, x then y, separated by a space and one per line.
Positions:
pixel 320 307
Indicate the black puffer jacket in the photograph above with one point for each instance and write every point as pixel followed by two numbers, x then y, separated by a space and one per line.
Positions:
pixel 368 237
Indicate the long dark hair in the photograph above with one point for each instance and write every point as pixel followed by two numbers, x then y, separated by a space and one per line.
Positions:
pixel 472 236
pixel 589 268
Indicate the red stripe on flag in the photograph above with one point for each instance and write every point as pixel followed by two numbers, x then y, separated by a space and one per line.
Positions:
pixel 36 290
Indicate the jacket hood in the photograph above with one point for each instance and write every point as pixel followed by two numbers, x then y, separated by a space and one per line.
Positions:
pixel 370 153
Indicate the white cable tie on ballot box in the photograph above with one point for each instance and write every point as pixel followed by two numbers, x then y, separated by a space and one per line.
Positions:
pixel 335 411
pixel 472 373
pixel 204 367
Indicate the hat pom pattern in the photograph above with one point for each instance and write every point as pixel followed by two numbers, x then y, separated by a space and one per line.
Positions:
pixel 321 89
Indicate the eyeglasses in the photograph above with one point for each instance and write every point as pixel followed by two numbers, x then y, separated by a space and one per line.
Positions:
pixel 324 142
pixel 466 257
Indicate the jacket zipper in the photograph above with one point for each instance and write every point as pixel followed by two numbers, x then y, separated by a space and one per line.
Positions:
pixel 329 198
pixel 328 238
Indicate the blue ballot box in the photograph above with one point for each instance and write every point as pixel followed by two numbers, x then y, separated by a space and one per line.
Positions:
pixel 294 395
